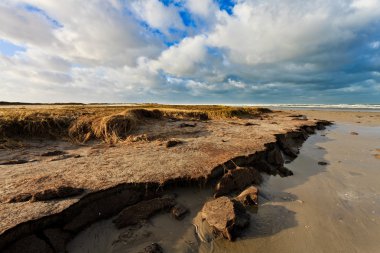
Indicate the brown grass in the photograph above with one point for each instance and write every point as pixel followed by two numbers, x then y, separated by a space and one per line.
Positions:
pixel 111 124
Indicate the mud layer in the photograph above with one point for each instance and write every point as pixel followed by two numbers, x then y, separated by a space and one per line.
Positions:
pixel 116 176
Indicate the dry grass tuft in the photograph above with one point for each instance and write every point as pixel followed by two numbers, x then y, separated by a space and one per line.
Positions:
pixel 111 124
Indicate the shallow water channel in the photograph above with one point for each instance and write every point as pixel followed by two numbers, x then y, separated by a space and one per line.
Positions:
pixel 321 208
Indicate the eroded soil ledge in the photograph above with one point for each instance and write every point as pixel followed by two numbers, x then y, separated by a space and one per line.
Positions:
pixel 55 222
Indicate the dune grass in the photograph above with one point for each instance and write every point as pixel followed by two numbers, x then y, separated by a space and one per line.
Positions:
pixel 81 123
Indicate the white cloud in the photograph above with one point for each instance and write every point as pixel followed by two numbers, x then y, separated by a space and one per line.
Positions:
pixel 204 8
pixel 157 15
pixel 183 59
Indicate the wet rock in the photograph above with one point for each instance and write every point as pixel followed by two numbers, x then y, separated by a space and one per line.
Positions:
pixel 29 244
pixel 153 248
pixel 58 239
pixel 227 217
pixel 285 172
pixel 310 130
pixel 104 206
pixel 275 157
pixel 249 196
pixel 322 163
pixel 182 125
pixel 354 133
pixel 179 211
pixel 13 162
pixel 53 153
pixel 57 193
pixel 263 166
pixel 237 179
pixel 173 143
pixel 141 211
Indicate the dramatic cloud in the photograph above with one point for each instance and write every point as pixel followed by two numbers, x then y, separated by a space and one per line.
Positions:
pixel 188 51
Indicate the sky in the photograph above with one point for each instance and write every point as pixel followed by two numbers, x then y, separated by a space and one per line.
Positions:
pixel 190 51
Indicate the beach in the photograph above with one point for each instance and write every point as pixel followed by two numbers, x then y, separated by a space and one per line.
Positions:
pixel 331 197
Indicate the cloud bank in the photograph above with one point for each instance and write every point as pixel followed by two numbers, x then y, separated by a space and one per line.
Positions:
pixel 190 51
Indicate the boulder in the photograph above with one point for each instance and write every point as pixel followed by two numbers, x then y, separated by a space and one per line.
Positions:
pixel 141 211
pixel 249 196
pixel 227 217
pixel 237 179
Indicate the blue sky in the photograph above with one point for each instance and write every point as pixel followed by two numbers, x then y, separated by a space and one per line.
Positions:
pixel 190 51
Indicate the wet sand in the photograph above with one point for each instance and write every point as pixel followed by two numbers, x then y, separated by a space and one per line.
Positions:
pixel 333 208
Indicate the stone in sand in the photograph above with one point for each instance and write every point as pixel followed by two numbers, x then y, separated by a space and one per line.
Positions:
pixel 237 179
pixel 354 133
pixel 249 196
pixel 227 217
pixel 141 211
pixel 323 163
pixel 179 211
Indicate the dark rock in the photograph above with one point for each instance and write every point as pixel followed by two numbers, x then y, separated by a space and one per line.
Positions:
pixel 237 179
pixel 354 133
pixel 309 130
pixel 103 207
pixel 58 239
pixel 29 244
pixel 226 217
pixel 275 157
pixel 323 163
pixel 57 193
pixel 285 172
pixel 173 143
pixel 249 196
pixel 263 166
pixel 53 153
pixel 13 162
pixel 179 211
pixel 182 125
pixel 141 211
pixel 153 248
